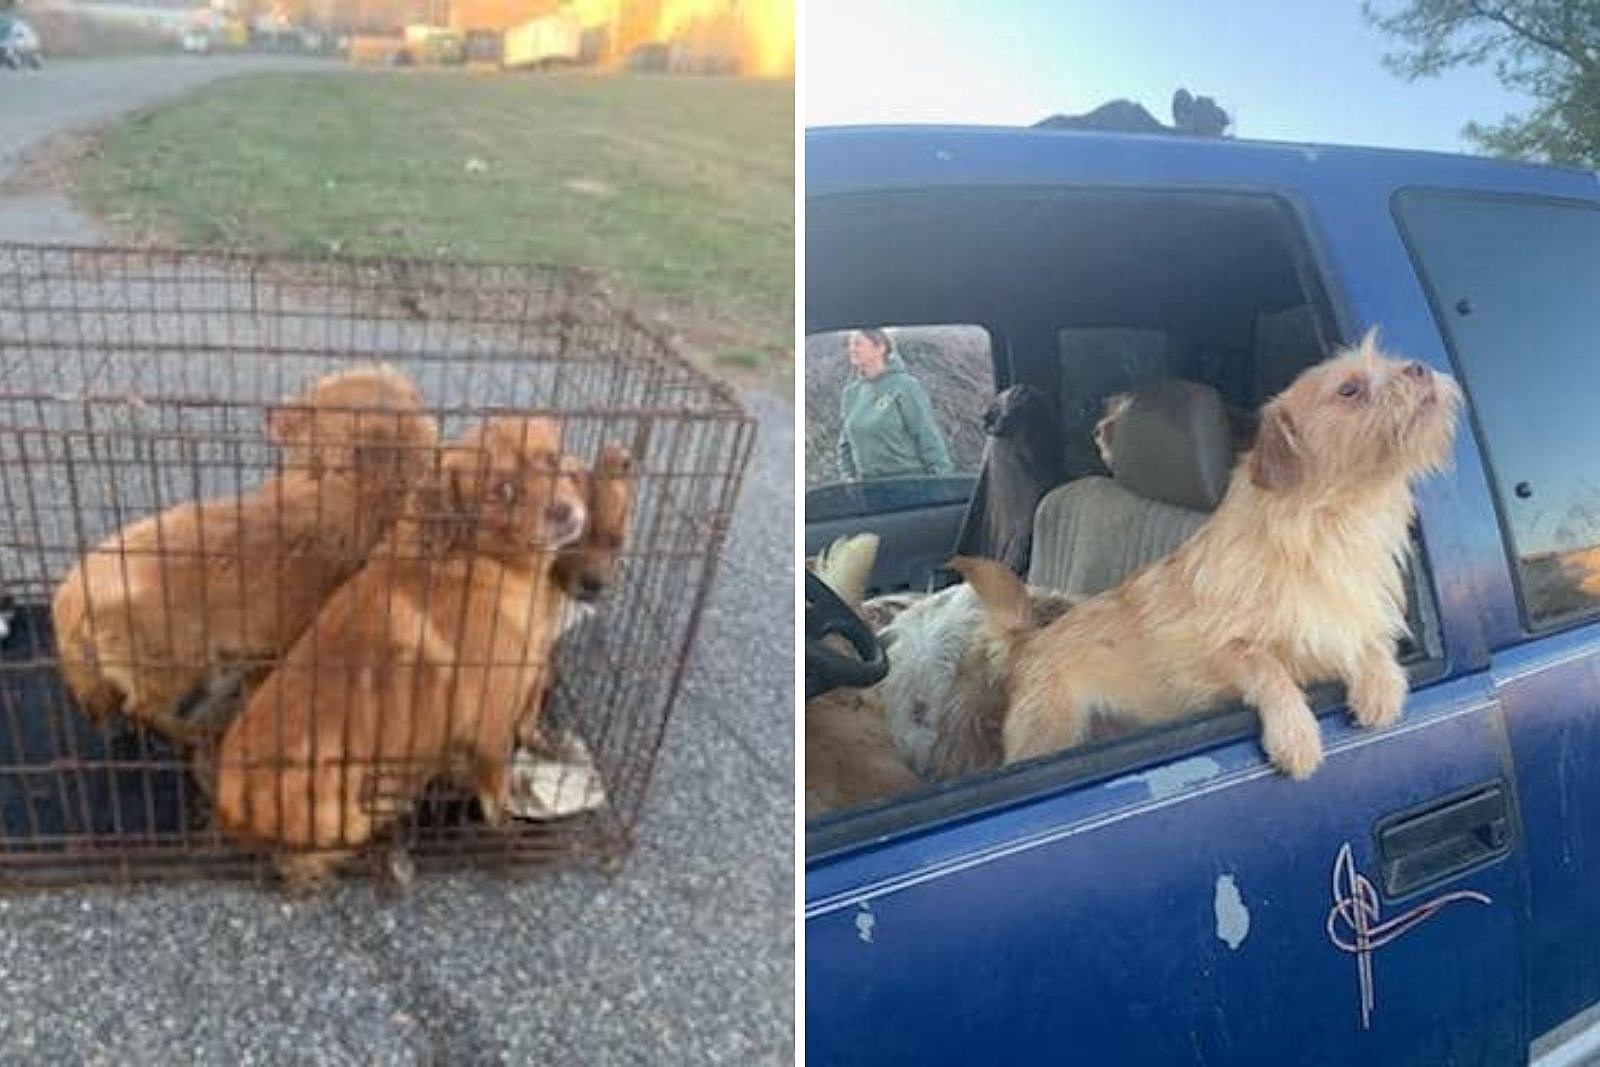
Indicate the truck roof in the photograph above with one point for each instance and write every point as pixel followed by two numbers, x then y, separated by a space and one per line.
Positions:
pixel 839 158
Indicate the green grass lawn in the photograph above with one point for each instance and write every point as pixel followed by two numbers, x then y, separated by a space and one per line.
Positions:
pixel 682 188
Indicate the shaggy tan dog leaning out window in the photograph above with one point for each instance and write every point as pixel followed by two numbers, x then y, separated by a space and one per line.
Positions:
pixel 1296 579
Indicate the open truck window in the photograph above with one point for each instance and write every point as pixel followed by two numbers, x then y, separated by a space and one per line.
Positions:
pixel 1099 294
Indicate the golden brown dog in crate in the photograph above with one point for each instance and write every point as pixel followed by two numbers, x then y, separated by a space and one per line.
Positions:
pixel 583 571
pixel 183 600
pixel 588 568
pixel 421 665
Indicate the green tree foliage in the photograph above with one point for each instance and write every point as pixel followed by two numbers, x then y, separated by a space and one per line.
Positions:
pixel 1549 49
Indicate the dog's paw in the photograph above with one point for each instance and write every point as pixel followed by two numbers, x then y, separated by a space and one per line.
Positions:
pixel 302 880
pixel 492 801
pixel 1292 740
pixel 1376 697
pixel 306 874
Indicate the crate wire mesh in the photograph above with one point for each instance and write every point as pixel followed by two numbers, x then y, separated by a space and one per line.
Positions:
pixel 132 381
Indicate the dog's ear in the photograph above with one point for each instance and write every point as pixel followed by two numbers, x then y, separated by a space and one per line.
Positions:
pixel 609 490
pixel 568 568
pixel 614 461
pixel 1182 107
pixel 1115 406
pixel 380 470
pixel 846 565
pixel 1276 463
pixel 571 560
pixel 446 506
pixel 462 489
pixel 1368 345
pixel 292 427
pixel 377 455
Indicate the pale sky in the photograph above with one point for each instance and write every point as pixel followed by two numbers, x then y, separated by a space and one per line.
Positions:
pixel 1294 70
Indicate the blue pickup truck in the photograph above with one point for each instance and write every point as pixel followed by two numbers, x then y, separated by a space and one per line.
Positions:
pixel 1432 894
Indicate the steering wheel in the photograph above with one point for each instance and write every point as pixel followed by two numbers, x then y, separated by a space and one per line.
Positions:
pixel 826 667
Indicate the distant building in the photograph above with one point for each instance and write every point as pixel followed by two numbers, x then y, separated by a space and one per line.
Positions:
pixel 497 14
pixel 750 36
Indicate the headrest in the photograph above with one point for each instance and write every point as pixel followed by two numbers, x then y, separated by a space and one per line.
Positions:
pixel 1172 444
pixel 1095 364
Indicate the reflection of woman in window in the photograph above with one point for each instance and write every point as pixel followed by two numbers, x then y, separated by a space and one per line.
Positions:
pixel 887 428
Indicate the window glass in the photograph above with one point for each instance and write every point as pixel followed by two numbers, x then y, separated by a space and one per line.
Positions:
pixel 1095 363
pixel 1516 285
pixel 909 408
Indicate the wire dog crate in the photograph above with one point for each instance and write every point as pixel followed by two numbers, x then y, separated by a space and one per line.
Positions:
pixel 135 383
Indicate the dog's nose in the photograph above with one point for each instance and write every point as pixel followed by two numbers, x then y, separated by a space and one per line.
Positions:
pixel 589 587
pixel 1417 371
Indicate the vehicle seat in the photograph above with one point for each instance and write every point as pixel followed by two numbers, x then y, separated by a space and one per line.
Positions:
pixel 1171 457
pixel 1095 364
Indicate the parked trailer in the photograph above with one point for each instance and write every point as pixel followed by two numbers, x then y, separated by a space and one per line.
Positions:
pixel 544 40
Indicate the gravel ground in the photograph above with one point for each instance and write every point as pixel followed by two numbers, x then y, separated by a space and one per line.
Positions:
pixel 685 956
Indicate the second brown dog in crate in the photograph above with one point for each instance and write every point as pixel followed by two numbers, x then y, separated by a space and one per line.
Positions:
pixel 553 772
pixel 190 598
pixel 586 569
pixel 420 666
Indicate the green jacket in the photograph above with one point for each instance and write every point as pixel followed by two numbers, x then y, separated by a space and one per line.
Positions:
pixel 887 428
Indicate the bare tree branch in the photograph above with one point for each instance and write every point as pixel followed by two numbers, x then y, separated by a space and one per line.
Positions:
pixel 1527 33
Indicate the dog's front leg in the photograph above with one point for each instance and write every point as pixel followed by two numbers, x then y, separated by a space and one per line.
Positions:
pixel 1377 686
pixel 1289 731
pixel 492 779
pixel 531 733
